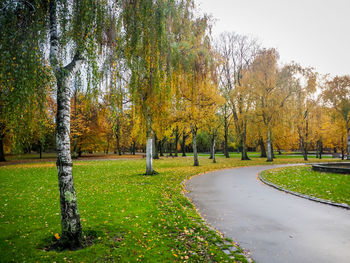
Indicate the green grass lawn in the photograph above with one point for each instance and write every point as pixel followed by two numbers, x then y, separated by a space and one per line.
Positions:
pixel 136 217
pixel 328 186
pixel 12 157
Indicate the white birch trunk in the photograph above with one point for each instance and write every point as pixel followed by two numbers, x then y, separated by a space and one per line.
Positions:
pixel 70 218
pixel 149 157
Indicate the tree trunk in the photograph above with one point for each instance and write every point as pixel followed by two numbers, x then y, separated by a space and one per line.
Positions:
pixel 183 144
pixel 107 145
pixel 176 140
pixel 133 148
pixel 160 145
pixel 70 218
pixel 303 148
pixel 154 148
pixel 278 149
pixel 244 155
pixel 262 147
pixel 75 139
pixel 226 137
pixel 213 148
pixel 303 145
pixel 2 153
pixel 170 145
pixel 29 148
pixel 194 143
pixel 269 146
pixel 117 137
pixel 243 141
pixel 149 159
pixel 348 141
pixel 273 151
pixel 40 150
pixel 319 149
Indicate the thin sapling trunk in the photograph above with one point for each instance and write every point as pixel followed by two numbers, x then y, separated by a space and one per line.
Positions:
pixel 213 148
pixel 194 143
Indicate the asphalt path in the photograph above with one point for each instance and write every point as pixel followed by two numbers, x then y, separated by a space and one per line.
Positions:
pixel 272 225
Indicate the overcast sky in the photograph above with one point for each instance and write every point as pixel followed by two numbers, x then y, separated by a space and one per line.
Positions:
pixel 313 33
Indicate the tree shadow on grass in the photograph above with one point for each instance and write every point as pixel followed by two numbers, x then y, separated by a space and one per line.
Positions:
pixel 58 244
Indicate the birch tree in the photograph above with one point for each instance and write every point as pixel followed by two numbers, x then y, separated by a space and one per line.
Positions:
pixel 147 30
pixel 271 88
pixel 237 53
pixel 69 32
pixel 74 28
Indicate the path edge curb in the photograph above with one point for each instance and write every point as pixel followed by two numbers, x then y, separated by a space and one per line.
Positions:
pixel 315 199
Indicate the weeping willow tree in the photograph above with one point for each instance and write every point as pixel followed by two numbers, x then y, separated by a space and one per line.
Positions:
pixel 194 71
pixel 25 76
pixel 77 31
pixel 148 26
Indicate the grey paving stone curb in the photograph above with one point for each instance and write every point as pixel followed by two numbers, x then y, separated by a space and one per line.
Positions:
pixel 261 178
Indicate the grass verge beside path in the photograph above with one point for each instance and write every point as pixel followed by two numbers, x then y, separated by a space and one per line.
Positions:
pixel 134 217
pixel 328 186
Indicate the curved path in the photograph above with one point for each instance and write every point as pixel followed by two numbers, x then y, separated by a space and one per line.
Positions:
pixel 272 225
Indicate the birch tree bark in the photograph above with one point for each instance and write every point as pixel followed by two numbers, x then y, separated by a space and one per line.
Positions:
pixel 149 151
pixel 149 159
pixel 70 218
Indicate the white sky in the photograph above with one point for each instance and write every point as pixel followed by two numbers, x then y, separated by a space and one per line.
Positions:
pixel 313 33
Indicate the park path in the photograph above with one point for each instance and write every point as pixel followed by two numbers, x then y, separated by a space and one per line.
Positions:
pixel 272 225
